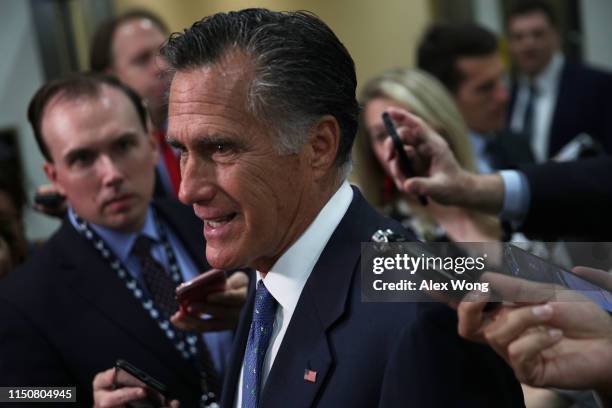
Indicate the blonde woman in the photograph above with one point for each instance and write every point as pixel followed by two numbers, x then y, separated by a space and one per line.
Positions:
pixel 424 96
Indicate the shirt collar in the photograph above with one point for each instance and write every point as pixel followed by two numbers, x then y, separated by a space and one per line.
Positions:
pixel 479 142
pixel 121 242
pixel 289 274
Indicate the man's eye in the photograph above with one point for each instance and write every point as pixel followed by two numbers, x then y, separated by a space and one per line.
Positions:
pixel 124 144
pixel 143 59
pixel 82 160
pixel 222 148
pixel 218 150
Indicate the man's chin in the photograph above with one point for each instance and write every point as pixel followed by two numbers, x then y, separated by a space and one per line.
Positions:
pixel 124 222
pixel 220 260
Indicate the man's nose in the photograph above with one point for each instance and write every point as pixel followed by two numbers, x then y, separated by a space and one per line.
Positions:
pixel 501 92
pixel 110 171
pixel 197 182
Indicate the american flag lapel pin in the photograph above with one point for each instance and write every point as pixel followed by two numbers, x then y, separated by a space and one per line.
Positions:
pixel 310 376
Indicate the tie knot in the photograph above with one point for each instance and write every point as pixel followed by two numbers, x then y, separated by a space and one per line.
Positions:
pixel 265 304
pixel 142 246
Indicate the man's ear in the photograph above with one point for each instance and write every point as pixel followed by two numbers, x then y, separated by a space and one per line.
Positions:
pixel 324 142
pixel 51 172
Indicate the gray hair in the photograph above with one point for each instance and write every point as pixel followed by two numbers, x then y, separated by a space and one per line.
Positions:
pixel 301 70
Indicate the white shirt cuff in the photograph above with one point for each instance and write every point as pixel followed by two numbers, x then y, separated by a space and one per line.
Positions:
pixel 517 196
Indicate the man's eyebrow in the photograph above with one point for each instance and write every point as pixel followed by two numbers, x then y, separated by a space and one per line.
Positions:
pixel 126 135
pixel 204 142
pixel 175 144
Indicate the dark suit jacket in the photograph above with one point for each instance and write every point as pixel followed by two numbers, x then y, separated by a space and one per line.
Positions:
pixel 583 105
pixel 371 354
pixel 65 316
pixel 508 150
pixel 570 199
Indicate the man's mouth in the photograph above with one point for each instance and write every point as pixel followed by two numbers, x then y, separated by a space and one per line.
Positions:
pixel 118 200
pixel 217 222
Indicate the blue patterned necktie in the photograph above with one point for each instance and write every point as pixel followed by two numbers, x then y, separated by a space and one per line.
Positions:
pixel 161 287
pixel 257 345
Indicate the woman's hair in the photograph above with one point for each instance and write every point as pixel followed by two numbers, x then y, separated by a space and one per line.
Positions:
pixel 424 96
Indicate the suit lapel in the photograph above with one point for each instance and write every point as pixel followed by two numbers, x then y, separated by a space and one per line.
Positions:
pixel 91 278
pixel 186 227
pixel 563 98
pixel 322 302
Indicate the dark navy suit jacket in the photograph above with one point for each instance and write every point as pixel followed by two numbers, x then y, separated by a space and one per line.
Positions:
pixel 65 316
pixel 371 354
pixel 583 105
pixel 507 150
pixel 571 200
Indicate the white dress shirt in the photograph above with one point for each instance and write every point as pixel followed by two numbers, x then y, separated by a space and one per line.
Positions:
pixel 547 88
pixel 479 145
pixel 289 274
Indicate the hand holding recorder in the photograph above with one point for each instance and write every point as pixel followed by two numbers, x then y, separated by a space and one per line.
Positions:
pixel 211 302
pixel 126 386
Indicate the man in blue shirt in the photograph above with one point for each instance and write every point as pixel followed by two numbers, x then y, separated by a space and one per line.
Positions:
pixel 102 288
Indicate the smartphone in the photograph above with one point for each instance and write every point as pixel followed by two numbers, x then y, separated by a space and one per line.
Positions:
pixel 404 162
pixel 201 286
pixel 49 200
pixel 528 266
pixel 127 375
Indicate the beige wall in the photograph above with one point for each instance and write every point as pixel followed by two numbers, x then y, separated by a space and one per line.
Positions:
pixel 378 34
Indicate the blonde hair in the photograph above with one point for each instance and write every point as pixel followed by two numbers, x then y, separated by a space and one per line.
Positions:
pixel 427 98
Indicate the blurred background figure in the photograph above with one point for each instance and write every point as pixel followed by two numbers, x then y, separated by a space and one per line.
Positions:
pixel 466 59
pixel 426 97
pixel 13 245
pixel 553 99
pixel 127 47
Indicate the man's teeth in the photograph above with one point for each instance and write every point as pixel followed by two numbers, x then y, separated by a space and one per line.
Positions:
pixel 217 222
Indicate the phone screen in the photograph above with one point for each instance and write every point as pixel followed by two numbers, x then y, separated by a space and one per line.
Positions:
pixel 525 265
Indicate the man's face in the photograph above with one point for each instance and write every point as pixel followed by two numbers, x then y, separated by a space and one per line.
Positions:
pixel 482 94
pixel 103 161
pixel 254 201
pixel 136 60
pixel 532 42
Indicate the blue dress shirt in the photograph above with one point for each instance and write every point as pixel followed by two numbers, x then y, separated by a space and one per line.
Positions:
pixel 218 343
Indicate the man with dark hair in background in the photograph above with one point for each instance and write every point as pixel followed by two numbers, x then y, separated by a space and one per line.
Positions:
pixel 262 107
pixel 13 244
pixel 553 100
pixel 102 287
pixel 127 47
pixel 465 58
